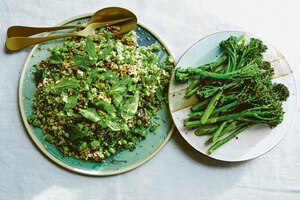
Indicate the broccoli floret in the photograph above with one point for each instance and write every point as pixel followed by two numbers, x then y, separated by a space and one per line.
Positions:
pixel 182 75
pixel 230 48
pixel 281 91
pixel 253 50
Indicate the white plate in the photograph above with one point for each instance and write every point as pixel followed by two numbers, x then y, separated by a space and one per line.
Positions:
pixel 252 142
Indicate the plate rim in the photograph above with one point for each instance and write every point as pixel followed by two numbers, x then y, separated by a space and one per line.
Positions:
pixel 53 158
pixel 294 80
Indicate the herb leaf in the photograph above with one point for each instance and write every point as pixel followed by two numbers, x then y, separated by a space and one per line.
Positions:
pixel 159 93
pixel 90 58
pixel 105 52
pixel 129 107
pixel 114 126
pixel 55 59
pixel 39 76
pixel 90 48
pixel 109 75
pixel 118 98
pixel 65 83
pixel 90 114
pixel 94 73
pixel 74 132
pixel 120 86
pixel 82 61
pixel 71 102
pixel 113 123
pixel 108 108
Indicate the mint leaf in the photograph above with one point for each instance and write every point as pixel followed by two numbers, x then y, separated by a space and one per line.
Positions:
pixel 159 93
pixel 39 76
pixel 120 86
pixel 64 83
pixel 129 107
pixel 71 102
pixel 90 58
pixel 75 132
pixel 102 105
pixel 82 61
pixel 94 72
pixel 114 124
pixel 117 99
pixel 117 126
pixel 103 122
pixel 90 114
pixel 55 59
pixel 90 48
pixel 105 52
pixel 108 75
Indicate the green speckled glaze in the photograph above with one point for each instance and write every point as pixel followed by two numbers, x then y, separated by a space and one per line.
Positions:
pixel 122 161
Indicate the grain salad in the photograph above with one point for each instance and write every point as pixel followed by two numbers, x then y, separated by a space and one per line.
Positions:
pixel 96 96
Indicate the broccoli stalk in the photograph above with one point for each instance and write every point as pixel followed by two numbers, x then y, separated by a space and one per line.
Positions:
pixel 234 92
pixel 184 75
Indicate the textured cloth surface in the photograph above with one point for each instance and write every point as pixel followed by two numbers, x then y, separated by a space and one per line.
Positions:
pixel 177 171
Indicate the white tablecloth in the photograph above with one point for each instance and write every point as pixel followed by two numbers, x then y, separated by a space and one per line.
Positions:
pixel 178 171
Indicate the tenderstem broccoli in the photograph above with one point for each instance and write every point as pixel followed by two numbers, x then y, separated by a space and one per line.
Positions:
pixel 234 92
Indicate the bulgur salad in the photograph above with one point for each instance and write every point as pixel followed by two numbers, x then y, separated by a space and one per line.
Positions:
pixel 96 96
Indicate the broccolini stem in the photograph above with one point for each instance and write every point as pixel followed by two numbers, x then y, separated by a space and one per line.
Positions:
pixel 211 74
pixel 194 84
pixel 214 64
pixel 246 113
pixel 228 138
pixel 219 109
pixel 217 133
pixel 211 106
pixel 228 67
pixel 200 105
pixel 232 126
pixel 206 130
pixel 241 116
pixel 191 92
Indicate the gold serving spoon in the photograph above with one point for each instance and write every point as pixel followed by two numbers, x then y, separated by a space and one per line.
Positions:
pixel 103 15
pixel 126 21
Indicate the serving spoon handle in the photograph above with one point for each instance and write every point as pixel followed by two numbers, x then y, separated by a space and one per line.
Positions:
pixel 25 31
pixel 17 43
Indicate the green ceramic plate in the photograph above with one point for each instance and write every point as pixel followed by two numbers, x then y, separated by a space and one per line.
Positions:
pixel 253 142
pixel 120 162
